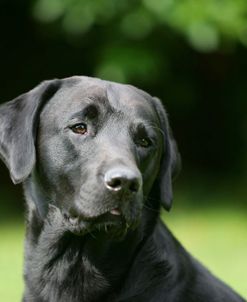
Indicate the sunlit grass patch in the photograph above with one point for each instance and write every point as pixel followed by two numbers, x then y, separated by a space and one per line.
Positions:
pixel 217 237
pixel 11 261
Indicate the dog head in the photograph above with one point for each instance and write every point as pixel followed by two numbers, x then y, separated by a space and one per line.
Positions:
pixel 92 148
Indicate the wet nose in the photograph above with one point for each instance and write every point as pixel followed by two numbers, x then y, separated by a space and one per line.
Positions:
pixel 122 179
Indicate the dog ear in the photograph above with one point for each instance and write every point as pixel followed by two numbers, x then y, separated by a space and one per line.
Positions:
pixel 18 124
pixel 170 161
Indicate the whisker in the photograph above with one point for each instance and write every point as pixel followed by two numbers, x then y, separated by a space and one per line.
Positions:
pixel 91 234
pixel 151 209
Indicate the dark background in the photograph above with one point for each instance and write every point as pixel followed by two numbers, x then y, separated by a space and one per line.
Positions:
pixel 197 68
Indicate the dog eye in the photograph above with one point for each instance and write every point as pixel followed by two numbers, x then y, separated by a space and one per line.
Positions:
pixel 144 142
pixel 79 128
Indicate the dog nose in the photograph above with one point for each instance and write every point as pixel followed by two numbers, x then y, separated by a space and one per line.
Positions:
pixel 122 180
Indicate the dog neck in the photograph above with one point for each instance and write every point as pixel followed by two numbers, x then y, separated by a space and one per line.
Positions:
pixel 61 266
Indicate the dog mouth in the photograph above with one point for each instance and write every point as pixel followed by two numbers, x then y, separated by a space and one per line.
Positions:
pixel 113 223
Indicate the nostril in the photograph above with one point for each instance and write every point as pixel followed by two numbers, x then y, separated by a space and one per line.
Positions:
pixel 114 184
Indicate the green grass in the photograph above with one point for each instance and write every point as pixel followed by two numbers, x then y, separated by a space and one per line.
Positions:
pixel 11 261
pixel 216 236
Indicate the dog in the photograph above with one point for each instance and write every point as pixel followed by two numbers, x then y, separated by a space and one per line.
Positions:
pixel 96 160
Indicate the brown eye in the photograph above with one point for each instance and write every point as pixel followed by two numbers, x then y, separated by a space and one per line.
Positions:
pixel 79 128
pixel 144 142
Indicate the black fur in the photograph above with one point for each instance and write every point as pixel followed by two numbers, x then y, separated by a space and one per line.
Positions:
pixel 94 195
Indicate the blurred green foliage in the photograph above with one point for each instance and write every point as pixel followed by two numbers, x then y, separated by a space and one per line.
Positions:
pixel 207 24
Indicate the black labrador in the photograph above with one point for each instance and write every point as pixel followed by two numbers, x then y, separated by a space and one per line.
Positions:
pixel 96 160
